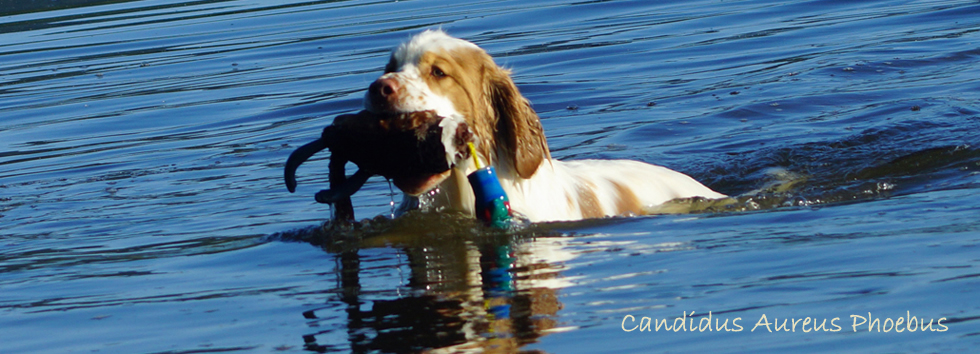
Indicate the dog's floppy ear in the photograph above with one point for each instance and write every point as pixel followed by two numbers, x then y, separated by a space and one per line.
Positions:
pixel 518 127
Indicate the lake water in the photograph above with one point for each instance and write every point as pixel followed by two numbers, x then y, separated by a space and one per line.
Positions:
pixel 142 207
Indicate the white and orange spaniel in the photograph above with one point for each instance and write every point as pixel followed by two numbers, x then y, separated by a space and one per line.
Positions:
pixel 459 80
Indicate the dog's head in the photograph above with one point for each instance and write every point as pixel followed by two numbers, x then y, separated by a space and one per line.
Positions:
pixel 453 77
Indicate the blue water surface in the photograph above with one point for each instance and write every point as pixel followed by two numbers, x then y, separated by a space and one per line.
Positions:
pixel 142 207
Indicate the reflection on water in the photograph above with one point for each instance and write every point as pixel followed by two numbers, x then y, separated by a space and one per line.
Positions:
pixel 468 288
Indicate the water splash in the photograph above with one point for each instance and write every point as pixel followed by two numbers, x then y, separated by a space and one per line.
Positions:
pixel 839 182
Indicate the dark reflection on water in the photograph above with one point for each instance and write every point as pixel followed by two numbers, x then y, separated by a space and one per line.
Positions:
pixel 469 288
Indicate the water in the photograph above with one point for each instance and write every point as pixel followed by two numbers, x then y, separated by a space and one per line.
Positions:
pixel 142 208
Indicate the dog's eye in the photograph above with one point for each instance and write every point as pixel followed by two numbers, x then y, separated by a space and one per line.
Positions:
pixel 437 72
